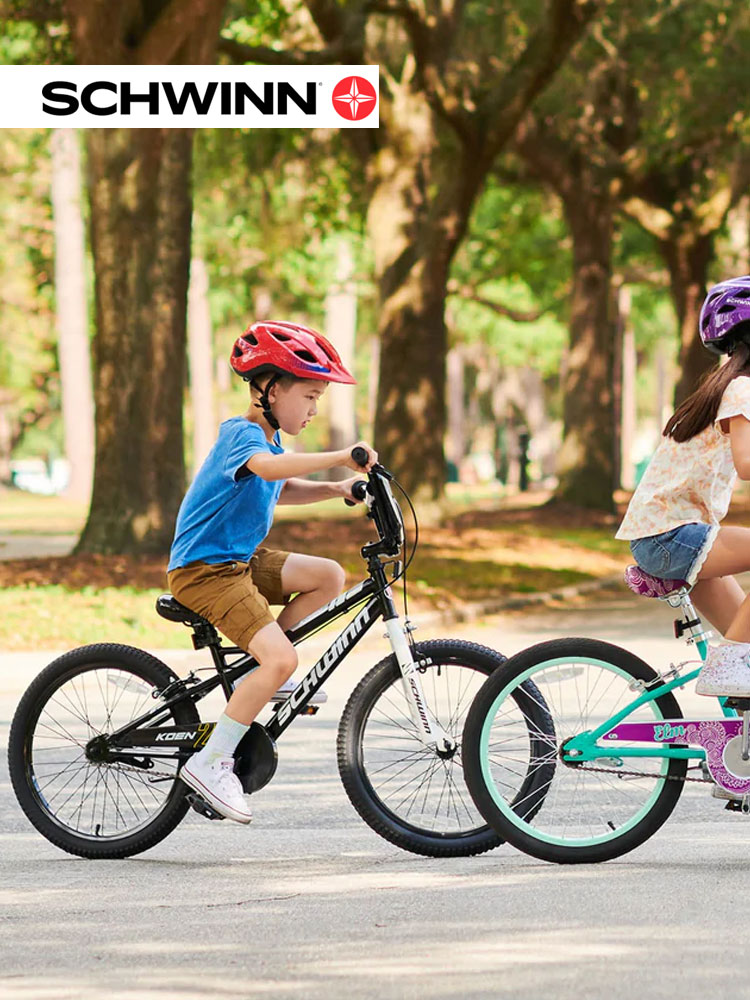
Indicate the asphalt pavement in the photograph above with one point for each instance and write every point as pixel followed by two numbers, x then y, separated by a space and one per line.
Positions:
pixel 307 902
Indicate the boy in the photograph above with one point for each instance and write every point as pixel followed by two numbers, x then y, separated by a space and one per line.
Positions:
pixel 216 567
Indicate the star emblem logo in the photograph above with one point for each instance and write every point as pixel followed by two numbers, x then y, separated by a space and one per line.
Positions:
pixel 354 98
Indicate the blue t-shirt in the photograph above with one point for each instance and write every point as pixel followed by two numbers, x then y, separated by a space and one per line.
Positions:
pixel 228 510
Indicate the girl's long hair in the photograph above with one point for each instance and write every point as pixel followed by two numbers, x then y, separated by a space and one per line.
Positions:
pixel 699 410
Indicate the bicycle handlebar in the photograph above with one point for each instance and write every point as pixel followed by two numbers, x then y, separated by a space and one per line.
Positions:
pixel 383 508
pixel 359 490
pixel 359 455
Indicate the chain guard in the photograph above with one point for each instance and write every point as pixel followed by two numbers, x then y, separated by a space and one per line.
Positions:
pixel 256 759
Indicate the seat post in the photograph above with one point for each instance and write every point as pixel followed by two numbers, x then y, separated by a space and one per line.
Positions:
pixel 690 621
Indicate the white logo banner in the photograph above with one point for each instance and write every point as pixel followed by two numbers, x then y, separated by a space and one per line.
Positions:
pixel 189 96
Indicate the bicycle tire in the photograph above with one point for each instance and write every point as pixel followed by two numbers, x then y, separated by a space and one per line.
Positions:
pixel 26 760
pixel 365 776
pixel 617 824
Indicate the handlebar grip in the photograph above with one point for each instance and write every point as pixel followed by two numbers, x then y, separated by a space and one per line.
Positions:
pixel 359 455
pixel 359 489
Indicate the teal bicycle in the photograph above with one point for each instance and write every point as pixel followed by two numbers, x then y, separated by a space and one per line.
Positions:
pixel 609 744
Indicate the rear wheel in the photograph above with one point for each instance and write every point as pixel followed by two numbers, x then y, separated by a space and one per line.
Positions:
pixel 408 792
pixel 587 812
pixel 62 780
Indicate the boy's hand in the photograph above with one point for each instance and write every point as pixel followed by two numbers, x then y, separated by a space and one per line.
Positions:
pixel 346 488
pixel 348 461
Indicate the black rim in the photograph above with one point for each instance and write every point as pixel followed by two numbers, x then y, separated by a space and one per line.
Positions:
pixel 93 800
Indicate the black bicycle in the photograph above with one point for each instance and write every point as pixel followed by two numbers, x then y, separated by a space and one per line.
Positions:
pixel 99 737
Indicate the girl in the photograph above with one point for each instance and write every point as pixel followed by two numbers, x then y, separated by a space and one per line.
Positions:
pixel 673 520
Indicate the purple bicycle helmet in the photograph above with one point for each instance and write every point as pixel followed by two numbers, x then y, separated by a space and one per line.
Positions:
pixel 727 305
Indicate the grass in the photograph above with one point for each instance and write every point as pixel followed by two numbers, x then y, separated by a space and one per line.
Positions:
pixel 30 513
pixel 56 617
pixel 488 549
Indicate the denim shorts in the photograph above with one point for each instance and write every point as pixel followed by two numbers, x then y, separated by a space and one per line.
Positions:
pixel 677 554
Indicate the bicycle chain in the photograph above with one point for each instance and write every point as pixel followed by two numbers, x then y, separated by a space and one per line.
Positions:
pixel 139 770
pixel 642 774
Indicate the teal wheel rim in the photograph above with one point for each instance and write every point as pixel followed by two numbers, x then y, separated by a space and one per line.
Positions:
pixel 535 828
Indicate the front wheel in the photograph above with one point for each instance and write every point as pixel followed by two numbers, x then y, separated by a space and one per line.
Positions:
pixel 590 811
pixel 408 792
pixel 77 796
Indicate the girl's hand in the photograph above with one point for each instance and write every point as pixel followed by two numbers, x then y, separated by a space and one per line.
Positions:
pixel 348 461
pixel 346 488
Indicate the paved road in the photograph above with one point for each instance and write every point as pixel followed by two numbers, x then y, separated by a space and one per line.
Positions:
pixel 308 903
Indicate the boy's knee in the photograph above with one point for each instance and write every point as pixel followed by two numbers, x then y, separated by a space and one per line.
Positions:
pixel 333 576
pixel 288 661
pixel 273 650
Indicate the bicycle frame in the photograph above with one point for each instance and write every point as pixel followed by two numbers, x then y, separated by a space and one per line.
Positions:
pixel 375 591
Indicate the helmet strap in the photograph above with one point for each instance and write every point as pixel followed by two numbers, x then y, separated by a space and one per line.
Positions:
pixel 264 403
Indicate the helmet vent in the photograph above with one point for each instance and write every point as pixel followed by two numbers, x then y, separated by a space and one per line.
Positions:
pixel 279 336
pixel 251 339
pixel 744 294
pixel 307 356
pixel 726 309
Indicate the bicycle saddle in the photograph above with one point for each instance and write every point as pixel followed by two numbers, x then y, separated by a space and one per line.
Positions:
pixel 646 585
pixel 171 609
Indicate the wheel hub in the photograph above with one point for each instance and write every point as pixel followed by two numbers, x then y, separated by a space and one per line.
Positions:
pixel 447 752
pixel 97 750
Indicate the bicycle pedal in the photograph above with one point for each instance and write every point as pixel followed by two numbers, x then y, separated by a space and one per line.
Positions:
pixel 717 792
pixel 202 807
pixel 739 704
pixel 734 805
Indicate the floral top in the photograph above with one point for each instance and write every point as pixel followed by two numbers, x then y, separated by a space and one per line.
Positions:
pixel 691 480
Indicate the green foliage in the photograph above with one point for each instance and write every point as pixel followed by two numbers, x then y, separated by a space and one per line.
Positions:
pixel 269 209
pixel 517 254
pixel 28 361
pixel 24 42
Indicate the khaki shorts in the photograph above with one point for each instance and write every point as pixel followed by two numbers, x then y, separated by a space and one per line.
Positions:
pixel 234 596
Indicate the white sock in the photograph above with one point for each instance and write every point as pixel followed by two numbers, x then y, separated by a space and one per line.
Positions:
pixel 224 739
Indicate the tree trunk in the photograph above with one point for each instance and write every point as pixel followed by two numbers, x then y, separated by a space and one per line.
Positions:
pixel 200 362
pixel 687 256
pixel 139 181
pixel 456 406
pixel 140 212
pixel 341 325
pixel 72 314
pixel 628 407
pixel 586 465
pixel 416 219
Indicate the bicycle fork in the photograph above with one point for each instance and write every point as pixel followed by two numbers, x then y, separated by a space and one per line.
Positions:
pixel 426 724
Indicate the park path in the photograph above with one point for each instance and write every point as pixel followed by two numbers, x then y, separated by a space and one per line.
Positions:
pixel 17 546
pixel 308 903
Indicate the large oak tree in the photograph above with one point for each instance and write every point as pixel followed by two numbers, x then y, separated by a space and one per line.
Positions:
pixel 139 183
pixel 456 78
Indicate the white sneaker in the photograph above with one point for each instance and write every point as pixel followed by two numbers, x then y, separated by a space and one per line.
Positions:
pixel 319 698
pixel 218 785
pixel 726 672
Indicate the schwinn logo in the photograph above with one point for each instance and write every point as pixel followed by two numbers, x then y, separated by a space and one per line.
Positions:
pixel 105 97
pixel 420 705
pixel 323 667
pixel 189 96
pixel 337 602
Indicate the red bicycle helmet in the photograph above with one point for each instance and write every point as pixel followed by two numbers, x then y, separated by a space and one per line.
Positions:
pixel 285 349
